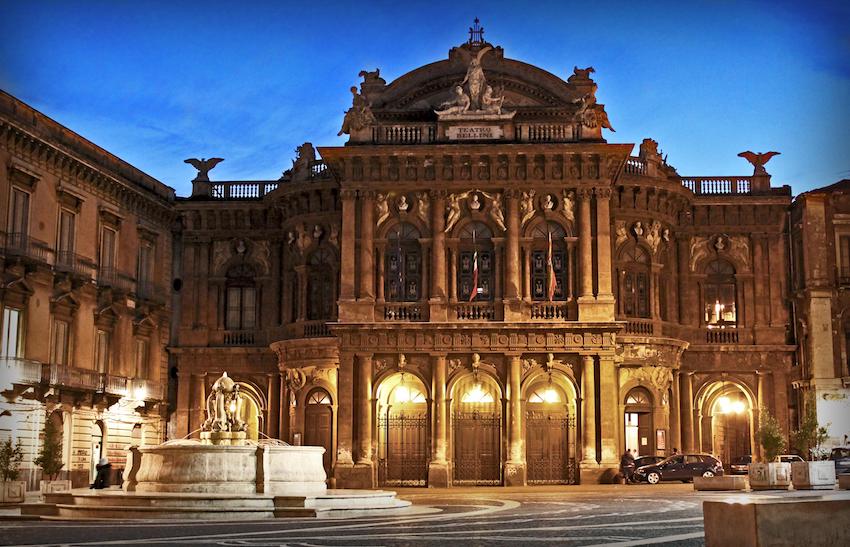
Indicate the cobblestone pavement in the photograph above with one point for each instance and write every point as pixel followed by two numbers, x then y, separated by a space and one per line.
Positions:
pixel 601 515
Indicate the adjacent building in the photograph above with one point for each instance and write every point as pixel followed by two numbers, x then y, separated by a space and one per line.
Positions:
pixel 477 289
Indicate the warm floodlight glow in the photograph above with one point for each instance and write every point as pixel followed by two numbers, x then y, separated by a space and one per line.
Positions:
pixel 738 407
pixel 728 406
pixel 477 395
pixel 550 395
pixel 140 393
pixel 232 406
pixel 402 394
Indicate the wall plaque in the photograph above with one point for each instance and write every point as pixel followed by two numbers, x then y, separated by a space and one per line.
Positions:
pixel 474 132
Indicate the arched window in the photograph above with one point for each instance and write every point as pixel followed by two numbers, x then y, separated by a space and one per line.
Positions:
pixel 319 397
pixel 541 273
pixel 720 297
pixel 634 281
pixel 476 264
pixel 241 298
pixel 320 285
pixel 403 265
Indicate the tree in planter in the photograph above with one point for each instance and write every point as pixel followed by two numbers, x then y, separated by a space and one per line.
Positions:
pixel 811 436
pixel 50 456
pixel 11 456
pixel 770 437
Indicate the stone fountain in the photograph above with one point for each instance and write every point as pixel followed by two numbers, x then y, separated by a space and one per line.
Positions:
pixel 224 460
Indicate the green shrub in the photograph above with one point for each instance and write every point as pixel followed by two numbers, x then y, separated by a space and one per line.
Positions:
pixel 810 437
pixel 11 456
pixel 770 437
pixel 50 456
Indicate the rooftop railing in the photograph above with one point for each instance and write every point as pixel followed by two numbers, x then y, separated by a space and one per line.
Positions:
pixel 707 186
pixel 242 189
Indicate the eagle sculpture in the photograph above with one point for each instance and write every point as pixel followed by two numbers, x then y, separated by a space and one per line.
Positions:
pixel 758 160
pixel 204 166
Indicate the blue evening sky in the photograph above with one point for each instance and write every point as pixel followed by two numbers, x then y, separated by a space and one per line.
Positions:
pixel 158 82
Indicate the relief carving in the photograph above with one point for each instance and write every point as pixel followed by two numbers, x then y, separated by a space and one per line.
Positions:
pixel 655 376
pixel 526 206
pixel 423 207
pixel 382 208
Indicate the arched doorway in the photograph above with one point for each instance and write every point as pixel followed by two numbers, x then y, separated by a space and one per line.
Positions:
pixel 729 415
pixel 98 438
pixel 639 435
pixel 477 431
pixel 550 422
pixel 403 435
pixel 318 424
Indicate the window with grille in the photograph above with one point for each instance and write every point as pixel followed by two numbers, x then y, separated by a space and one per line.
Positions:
pixel 319 398
pixel 19 211
pixel 539 262
pixel 141 358
pixel 720 308
pixel 146 262
pixel 66 237
pixel 103 350
pixel 241 308
pixel 59 353
pixel 634 286
pixel 321 288
pixel 475 246
pixel 403 265
pixel 12 333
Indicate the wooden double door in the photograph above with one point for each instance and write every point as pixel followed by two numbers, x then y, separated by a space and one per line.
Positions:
pixel 548 447
pixel 477 448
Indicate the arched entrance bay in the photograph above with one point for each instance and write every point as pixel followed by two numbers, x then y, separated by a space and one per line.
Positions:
pixel 403 432
pixel 318 424
pixel 477 431
pixel 550 425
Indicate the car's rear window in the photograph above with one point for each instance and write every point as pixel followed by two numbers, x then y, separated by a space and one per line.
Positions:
pixel 840 453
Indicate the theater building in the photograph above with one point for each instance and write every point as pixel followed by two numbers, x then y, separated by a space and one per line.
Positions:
pixel 480 289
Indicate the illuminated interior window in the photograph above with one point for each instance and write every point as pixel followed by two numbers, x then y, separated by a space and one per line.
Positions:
pixel 407 394
pixel 476 394
pixel 637 397
pixel 547 394
pixel 319 398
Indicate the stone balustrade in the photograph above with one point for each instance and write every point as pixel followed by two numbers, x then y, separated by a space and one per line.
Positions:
pixel 718 185
pixel 404 311
pixel 549 311
pixel 476 311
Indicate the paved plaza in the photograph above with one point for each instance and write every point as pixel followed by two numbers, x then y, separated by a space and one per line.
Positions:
pixel 668 514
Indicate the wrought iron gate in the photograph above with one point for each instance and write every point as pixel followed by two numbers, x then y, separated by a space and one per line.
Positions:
pixel 548 448
pixel 477 448
pixel 405 462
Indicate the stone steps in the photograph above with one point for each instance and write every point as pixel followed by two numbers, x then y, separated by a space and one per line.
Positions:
pixel 88 505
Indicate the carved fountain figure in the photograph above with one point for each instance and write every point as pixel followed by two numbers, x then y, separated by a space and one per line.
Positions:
pixel 223 425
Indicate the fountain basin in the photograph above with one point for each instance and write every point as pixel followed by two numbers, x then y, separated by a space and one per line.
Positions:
pixel 204 468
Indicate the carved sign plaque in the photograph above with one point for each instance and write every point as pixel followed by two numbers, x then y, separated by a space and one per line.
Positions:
pixel 473 132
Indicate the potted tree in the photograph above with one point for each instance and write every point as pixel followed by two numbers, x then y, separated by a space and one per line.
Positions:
pixel 769 474
pixel 50 460
pixel 817 473
pixel 11 456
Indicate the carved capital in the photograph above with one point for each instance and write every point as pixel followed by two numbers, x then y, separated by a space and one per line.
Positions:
pixel 584 194
pixel 604 193
pixel 367 194
pixel 348 194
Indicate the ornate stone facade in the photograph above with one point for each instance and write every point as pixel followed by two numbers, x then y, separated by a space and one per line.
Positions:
pixel 480 289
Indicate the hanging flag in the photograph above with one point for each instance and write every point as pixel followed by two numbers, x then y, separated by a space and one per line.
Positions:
pixel 474 292
pixel 553 283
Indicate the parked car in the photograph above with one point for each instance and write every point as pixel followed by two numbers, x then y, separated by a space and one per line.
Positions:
pixel 647 460
pixel 682 467
pixel 788 458
pixel 841 457
pixel 741 465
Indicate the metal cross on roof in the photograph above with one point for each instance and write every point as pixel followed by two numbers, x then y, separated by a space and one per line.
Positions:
pixel 476 33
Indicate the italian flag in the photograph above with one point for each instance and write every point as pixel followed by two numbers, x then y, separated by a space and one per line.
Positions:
pixel 553 283
pixel 474 292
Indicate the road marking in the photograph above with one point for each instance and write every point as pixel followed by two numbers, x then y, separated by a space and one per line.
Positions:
pixel 652 541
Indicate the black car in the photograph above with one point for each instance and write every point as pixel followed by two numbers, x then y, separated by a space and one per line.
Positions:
pixel 682 467
pixel 841 457
pixel 647 460
pixel 741 465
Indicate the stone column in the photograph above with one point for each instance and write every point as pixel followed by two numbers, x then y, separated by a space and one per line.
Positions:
pixel 608 410
pixel 345 396
pixel 588 411
pixel 452 276
pixel 438 469
pixel 196 411
pixel 347 242
pixel 380 257
pixel 585 250
pixel 526 275
pixel 364 409
pixel 512 257
pixel 675 439
pixel 438 256
pixel 515 466
pixel 273 424
pixel 603 248
pixel 183 392
pixel 686 393
pixel 367 259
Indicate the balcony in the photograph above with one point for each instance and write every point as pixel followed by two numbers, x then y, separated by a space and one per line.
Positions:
pixel 17 370
pixel 309 329
pixel 239 338
pixel 21 245
pixel 72 377
pixel 635 166
pixel 405 311
pixel 74 264
pixel 142 389
pixel 640 327
pixel 708 186
pixel 114 385
pixel 152 292
pixel 112 278
pixel 721 336
pixel 549 311
pixel 476 311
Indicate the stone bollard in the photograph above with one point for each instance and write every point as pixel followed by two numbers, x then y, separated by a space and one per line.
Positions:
pixel 134 461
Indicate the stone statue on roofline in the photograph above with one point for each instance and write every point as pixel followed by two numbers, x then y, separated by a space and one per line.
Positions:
pixel 359 116
pixel 758 160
